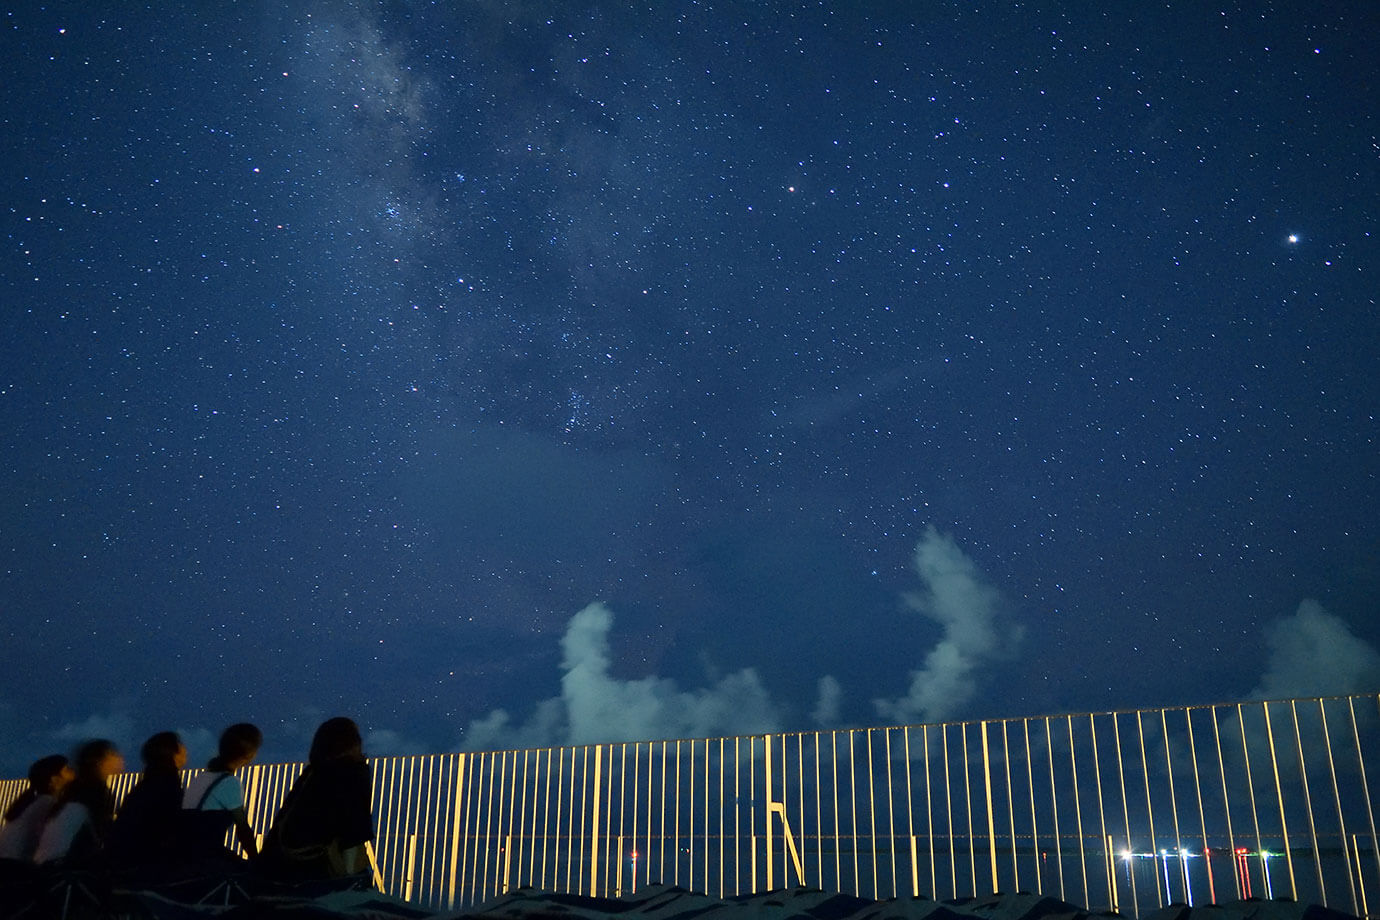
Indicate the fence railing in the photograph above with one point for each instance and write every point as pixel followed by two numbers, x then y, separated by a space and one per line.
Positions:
pixel 1130 810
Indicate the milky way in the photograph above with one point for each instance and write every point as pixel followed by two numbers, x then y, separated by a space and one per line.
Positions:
pixel 852 365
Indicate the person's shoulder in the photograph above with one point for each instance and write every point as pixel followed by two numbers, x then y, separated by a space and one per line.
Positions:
pixel 211 789
pixel 67 818
pixel 346 766
pixel 228 792
pixel 90 794
pixel 169 790
pixel 165 781
pixel 197 786
pixel 133 798
pixel 359 771
pixel 346 774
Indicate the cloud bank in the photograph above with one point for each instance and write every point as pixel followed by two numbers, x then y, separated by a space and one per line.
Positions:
pixel 1314 653
pixel 969 610
pixel 594 706
pixel 1310 653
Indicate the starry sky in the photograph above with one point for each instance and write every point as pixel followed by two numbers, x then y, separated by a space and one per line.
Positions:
pixel 506 373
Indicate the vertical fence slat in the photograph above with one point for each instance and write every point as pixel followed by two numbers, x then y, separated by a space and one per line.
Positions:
pixel 1108 856
pixel 1078 813
pixel 1279 794
pixel 1054 804
pixel 1307 800
pixel 1365 783
pixel 1337 801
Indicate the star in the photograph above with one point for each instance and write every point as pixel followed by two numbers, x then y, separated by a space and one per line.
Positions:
pixel 1293 239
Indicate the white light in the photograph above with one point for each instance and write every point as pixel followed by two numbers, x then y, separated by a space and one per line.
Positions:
pixel 1293 238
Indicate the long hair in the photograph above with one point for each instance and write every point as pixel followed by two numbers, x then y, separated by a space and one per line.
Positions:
pixel 159 753
pixel 42 772
pixel 89 788
pixel 236 742
pixel 336 739
pixel 90 756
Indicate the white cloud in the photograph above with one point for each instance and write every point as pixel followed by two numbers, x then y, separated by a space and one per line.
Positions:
pixel 829 703
pixel 385 742
pixel 1314 653
pixel 496 731
pixel 594 706
pixel 202 744
pixel 120 727
pixel 968 609
pixel 116 727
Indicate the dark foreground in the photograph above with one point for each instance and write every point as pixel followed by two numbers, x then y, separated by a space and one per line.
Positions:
pixel 77 897
pixel 660 903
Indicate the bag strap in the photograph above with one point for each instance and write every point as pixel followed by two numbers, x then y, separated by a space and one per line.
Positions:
pixel 211 788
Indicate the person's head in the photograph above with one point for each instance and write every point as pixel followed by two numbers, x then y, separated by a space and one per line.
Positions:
pixel 98 760
pixel 238 745
pixel 49 774
pixel 163 753
pixel 336 739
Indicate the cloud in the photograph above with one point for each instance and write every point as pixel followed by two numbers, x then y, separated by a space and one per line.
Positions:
pixel 496 731
pixel 129 736
pixel 594 706
pixel 1311 653
pixel 829 703
pixel 117 727
pixel 385 742
pixel 201 743
pixel 1314 653
pixel 968 609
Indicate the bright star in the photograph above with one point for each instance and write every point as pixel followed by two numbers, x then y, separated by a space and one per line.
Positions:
pixel 1293 239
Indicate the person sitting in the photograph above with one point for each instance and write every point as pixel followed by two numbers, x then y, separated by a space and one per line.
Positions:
pixel 322 827
pixel 145 831
pixel 25 817
pixel 76 831
pixel 214 800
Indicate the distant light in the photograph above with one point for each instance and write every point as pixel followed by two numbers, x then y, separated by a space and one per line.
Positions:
pixel 1293 239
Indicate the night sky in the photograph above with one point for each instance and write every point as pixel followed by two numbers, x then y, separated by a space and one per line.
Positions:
pixel 528 373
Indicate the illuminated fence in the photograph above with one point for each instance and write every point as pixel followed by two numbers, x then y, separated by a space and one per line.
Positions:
pixel 1129 810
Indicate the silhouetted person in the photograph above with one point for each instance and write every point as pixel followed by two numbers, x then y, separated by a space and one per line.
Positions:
pixel 214 801
pixel 77 830
pixel 25 817
pixel 325 821
pixel 145 832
